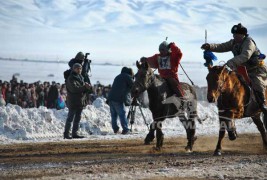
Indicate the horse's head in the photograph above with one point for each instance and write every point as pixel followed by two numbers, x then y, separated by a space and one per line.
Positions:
pixel 216 81
pixel 143 79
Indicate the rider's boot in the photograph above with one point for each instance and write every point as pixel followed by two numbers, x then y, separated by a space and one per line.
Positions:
pixel 261 100
pixel 175 86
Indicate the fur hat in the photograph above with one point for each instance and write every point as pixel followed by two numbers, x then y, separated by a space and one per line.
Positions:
pixel 239 29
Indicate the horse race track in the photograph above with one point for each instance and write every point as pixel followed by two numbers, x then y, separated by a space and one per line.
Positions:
pixel 130 159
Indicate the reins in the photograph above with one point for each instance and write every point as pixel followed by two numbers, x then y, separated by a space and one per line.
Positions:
pixel 219 89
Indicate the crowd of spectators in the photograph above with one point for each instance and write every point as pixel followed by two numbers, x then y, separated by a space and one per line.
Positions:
pixel 50 95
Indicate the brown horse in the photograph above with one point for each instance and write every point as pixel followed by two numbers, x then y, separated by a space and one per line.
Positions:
pixel 164 105
pixel 234 101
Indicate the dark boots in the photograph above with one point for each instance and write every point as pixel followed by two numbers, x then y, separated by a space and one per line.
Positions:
pixel 175 86
pixel 260 97
pixel 67 135
pixel 75 129
pixel 74 136
pixel 77 136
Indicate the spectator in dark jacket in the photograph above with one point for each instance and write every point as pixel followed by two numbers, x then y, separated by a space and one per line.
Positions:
pixel 76 88
pixel 119 96
pixel 52 96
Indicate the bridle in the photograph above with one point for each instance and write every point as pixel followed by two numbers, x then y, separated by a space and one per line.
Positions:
pixel 150 80
pixel 221 82
pixel 221 85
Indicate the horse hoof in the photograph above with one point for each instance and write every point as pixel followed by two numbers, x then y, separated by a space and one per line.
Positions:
pixel 188 149
pixel 157 148
pixel 146 143
pixel 232 138
pixel 217 153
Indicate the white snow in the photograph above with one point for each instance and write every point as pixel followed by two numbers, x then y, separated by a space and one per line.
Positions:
pixel 19 125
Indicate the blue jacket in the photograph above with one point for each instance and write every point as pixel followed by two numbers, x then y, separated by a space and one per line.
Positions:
pixel 121 87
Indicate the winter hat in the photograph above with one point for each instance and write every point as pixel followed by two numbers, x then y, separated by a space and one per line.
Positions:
pixel 239 29
pixel 76 65
pixel 164 46
pixel 79 56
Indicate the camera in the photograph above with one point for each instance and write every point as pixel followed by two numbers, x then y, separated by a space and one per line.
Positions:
pixel 86 54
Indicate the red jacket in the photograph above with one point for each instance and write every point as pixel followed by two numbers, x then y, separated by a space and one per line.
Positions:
pixel 167 66
pixel 4 93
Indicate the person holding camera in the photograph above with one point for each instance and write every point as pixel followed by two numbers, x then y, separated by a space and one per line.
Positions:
pixel 118 97
pixel 76 88
pixel 167 62
pixel 82 59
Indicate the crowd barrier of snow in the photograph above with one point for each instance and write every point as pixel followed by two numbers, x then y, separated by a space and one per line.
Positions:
pixel 37 124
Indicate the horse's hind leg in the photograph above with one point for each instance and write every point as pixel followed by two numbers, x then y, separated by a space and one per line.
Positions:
pixel 151 135
pixel 191 138
pixel 259 124
pixel 189 126
pixel 160 138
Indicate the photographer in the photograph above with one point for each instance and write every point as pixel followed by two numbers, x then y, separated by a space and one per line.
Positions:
pixel 85 63
pixel 82 59
pixel 119 96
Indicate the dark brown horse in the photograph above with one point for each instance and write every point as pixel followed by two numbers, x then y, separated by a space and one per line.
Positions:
pixel 163 105
pixel 234 101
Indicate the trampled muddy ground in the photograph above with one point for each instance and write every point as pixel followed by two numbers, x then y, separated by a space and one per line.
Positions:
pixel 243 158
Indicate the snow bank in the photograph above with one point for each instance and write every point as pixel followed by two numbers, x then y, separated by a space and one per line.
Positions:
pixel 41 124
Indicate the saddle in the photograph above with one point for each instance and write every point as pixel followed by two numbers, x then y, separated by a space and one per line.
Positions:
pixel 242 75
pixel 242 70
pixel 245 80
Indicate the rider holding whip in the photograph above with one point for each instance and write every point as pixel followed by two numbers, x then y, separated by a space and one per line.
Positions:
pixel 246 54
pixel 167 62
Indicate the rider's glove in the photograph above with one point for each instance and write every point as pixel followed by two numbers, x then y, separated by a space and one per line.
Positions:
pixel 205 46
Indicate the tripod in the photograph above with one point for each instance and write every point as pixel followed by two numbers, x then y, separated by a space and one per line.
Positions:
pixel 131 113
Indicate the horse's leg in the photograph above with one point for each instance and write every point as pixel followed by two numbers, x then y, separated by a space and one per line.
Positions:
pixel 189 126
pixel 223 126
pixel 160 136
pixel 151 135
pixel 191 138
pixel 259 124
pixel 218 149
pixel 226 122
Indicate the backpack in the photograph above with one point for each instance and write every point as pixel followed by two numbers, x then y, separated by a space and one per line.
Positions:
pixel 66 74
pixel 60 103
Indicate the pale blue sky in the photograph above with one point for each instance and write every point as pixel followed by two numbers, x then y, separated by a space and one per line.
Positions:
pixel 122 31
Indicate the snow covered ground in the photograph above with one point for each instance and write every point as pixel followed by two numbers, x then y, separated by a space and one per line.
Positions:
pixel 19 125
